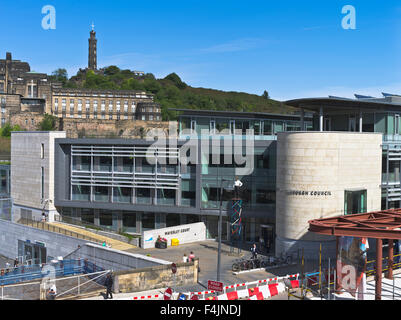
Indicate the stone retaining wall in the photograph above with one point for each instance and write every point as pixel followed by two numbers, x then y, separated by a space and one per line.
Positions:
pixel 156 277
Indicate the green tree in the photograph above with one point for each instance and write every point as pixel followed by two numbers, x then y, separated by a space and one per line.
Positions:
pixel 265 95
pixel 111 70
pixel 48 123
pixel 60 75
pixel 7 129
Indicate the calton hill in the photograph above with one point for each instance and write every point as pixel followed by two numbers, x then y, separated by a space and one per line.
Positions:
pixel 171 92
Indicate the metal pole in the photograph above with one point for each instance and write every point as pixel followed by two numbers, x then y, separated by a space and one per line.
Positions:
pixel 302 274
pixel 320 270
pixel 390 259
pixel 328 282
pixel 219 231
pixel 379 256
pixel 335 279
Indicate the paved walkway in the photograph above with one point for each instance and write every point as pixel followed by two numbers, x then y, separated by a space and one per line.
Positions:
pixel 115 244
pixel 206 251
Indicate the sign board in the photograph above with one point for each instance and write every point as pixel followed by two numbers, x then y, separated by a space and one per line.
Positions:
pixel 173 268
pixel 167 294
pixel 182 296
pixel 215 285
pixel 187 233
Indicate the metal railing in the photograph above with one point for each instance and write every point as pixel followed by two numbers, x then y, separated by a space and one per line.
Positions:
pixel 37 271
pixel 81 223
pixel 49 227
pixel 371 265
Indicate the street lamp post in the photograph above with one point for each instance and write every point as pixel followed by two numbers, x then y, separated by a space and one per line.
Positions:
pixel 219 231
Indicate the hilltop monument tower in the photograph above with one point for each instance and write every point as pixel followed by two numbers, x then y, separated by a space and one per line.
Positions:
pixel 92 60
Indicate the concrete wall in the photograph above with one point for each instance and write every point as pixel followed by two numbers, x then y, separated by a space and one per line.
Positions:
pixel 26 163
pixel 313 171
pixel 156 277
pixel 185 233
pixel 56 244
pixel 116 260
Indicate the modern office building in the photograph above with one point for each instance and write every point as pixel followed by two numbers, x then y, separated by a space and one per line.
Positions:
pixel 110 183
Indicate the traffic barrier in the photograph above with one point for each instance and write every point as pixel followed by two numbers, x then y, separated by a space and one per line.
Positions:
pixel 273 289
pixel 264 290
pixel 257 296
pixel 156 296
pixel 294 284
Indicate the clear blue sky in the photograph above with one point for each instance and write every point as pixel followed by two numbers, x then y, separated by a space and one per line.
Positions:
pixel 290 48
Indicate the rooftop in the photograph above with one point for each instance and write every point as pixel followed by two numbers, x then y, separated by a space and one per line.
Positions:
pixel 389 102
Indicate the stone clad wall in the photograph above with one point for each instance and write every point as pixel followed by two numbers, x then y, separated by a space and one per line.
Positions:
pixel 156 277
pixel 77 128
pixel 313 171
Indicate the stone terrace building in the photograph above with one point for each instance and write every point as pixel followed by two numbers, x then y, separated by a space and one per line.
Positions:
pixel 103 104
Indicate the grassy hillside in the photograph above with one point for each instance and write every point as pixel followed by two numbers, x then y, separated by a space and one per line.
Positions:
pixel 171 92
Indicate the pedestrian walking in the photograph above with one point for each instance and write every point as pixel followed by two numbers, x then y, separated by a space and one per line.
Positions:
pixel 16 262
pixel 254 251
pixel 109 285
pixel 185 258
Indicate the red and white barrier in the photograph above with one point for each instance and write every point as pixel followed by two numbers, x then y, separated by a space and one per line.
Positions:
pixel 264 289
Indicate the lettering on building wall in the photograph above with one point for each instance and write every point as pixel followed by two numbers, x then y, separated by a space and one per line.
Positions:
pixel 308 193
pixel 176 231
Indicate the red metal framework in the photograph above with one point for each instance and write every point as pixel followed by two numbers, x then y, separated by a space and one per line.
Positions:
pixel 379 225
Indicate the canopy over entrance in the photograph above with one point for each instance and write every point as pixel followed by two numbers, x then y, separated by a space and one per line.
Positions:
pixel 378 225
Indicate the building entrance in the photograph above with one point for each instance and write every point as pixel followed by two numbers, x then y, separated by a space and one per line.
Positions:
pixel 266 237
pixel 32 253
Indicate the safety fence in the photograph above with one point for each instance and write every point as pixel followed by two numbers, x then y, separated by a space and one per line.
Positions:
pixel 255 290
pixel 371 265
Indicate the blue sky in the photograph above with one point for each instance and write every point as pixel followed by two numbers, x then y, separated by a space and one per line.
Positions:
pixel 291 48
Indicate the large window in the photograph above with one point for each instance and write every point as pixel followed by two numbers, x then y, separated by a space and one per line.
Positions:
pixel 105 218
pixel 122 195
pixel 142 166
pixel 81 193
pixel 354 201
pixel 81 163
pixel 148 221
pixel 123 164
pixel 129 221
pixel 172 219
pixel 166 197
pixel 188 188
pixel 102 164
pixel 101 194
pixel 143 196
pixel 88 215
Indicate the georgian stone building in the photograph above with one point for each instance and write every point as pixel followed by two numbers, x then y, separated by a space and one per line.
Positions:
pixel 103 104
